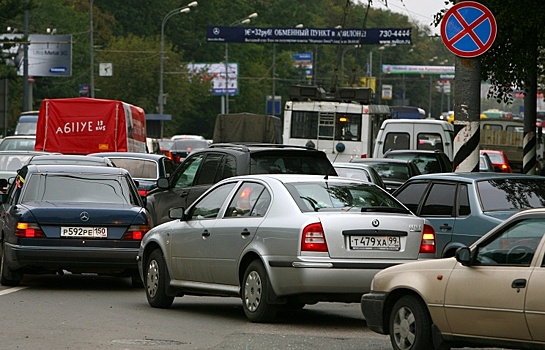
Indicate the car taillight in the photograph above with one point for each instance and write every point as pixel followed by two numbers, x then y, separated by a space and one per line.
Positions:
pixel 169 155
pixel 313 239
pixel 363 156
pixel 143 193
pixel 28 230
pixel 136 232
pixel 427 245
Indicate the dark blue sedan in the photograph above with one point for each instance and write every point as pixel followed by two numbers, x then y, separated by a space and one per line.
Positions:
pixel 58 218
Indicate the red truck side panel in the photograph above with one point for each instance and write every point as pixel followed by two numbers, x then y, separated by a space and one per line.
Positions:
pixel 85 125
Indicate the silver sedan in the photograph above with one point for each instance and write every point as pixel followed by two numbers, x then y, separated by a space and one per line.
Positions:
pixel 281 241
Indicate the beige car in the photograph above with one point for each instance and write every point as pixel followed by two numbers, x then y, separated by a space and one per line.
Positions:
pixel 490 295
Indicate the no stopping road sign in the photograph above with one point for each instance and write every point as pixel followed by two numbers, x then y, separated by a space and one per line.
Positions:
pixel 468 29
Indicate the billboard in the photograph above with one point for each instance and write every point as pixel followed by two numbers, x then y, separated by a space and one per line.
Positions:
pixel 348 36
pixel 215 72
pixel 48 55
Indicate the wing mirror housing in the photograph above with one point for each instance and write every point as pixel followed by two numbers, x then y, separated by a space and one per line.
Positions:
pixel 463 256
pixel 176 213
pixel 162 183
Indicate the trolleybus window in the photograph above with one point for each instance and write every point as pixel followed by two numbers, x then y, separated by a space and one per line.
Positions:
pixel 313 125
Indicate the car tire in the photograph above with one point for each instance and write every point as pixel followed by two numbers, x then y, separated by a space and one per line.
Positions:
pixel 156 281
pixel 255 292
pixel 410 325
pixel 6 276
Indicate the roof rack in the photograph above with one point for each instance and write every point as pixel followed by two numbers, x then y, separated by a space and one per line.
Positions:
pixel 245 146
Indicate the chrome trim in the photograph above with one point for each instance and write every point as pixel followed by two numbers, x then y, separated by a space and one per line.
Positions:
pixel 312 264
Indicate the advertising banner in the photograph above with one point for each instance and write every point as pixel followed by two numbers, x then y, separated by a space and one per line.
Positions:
pixel 403 69
pixel 348 36
pixel 215 72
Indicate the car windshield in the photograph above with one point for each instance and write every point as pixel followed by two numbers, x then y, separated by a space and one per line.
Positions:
pixel 10 162
pixel 388 171
pixel 509 194
pixel 320 196
pixel 78 188
pixel 17 144
pixel 189 144
pixel 425 163
pixel 138 168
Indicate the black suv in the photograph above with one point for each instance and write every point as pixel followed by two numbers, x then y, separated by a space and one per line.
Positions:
pixel 428 162
pixel 204 167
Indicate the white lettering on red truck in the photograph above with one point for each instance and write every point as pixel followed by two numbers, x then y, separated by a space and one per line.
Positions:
pixel 79 127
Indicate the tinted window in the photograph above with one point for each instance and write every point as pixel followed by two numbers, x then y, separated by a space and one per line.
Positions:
pixel 229 168
pixel 78 188
pixel 188 145
pixel 210 167
pixel 464 208
pixel 290 163
pixel 396 140
pixel 440 200
pixel 209 206
pixel 508 194
pixel 186 174
pixel 317 196
pixel 169 167
pixel 411 194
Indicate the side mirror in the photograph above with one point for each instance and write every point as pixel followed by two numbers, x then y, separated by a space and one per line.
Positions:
pixel 463 256
pixel 176 213
pixel 162 183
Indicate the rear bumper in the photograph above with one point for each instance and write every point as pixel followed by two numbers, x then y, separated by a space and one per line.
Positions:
pixel 40 259
pixel 372 307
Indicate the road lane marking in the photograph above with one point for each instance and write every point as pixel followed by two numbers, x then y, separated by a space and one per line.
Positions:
pixel 11 290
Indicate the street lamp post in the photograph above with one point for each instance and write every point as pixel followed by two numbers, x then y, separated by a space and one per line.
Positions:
pixel 244 20
pixel 176 11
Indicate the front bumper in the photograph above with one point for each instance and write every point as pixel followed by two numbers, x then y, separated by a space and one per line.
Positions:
pixel 372 307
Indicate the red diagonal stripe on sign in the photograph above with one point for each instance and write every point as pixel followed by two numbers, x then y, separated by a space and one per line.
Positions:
pixel 468 29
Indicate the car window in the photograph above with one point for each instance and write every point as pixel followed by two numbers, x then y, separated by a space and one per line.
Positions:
pixel 509 194
pixel 410 195
pixel 210 167
pixel 440 200
pixel 289 163
pixel 77 188
pixel 229 168
pixel 392 171
pixel 209 206
pixel 138 168
pixel 353 173
pixel 186 174
pixel 514 246
pixel 429 142
pixel 246 199
pixel 464 208
pixel 169 166
pixel 396 140
pixel 317 196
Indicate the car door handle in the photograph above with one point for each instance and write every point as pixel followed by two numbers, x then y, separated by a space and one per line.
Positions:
pixel 245 232
pixel 519 283
pixel 206 233
pixel 183 194
pixel 445 227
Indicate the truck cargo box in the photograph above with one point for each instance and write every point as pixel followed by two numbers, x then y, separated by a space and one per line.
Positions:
pixel 87 125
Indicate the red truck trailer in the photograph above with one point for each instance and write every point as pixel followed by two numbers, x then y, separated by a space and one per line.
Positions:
pixel 86 125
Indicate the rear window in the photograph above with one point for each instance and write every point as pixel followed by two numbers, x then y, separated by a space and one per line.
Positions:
pixel 509 194
pixel 138 168
pixel 79 188
pixel 292 163
pixel 318 196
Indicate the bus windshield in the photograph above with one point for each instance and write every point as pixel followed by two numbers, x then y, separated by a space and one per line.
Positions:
pixel 329 126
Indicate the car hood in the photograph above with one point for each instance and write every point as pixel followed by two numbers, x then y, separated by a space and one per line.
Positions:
pixel 48 213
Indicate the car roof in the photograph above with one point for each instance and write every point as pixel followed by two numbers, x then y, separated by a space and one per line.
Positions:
pixel 472 176
pixel 286 178
pixel 22 152
pixel 382 160
pixel 76 169
pixel 151 156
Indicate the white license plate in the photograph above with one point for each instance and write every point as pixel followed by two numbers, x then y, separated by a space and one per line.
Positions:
pixel 84 232
pixel 375 242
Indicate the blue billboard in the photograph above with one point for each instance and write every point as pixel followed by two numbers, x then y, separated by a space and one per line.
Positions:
pixel 347 36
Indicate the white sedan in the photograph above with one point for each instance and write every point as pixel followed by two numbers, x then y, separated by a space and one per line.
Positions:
pixel 281 241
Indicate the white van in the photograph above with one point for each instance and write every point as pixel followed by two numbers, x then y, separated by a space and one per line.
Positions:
pixel 26 125
pixel 417 134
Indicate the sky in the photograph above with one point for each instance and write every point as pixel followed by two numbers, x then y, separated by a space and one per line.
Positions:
pixel 421 11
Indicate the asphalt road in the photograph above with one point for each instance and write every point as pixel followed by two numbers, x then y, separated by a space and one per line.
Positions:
pixel 90 312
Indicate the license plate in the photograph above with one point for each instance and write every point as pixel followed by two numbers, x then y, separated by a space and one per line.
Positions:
pixel 375 242
pixel 84 232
